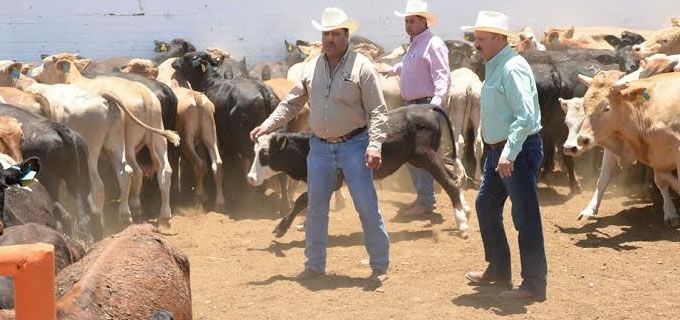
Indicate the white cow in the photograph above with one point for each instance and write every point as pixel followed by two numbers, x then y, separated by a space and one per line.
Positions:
pixel 464 107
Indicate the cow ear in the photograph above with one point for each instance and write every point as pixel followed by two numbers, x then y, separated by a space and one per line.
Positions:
pixel 552 37
pixel 635 92
pixel 43 56
pixel 289 46
pixel 563 104
pixel 570 32
pixel 675 22
pixel 585 80
pixel 614 41
pixel 82 64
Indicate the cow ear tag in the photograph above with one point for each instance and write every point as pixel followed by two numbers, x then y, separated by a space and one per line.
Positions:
pixel 15 74
pixel 66 67
pixel 643 97
pixel 203 67
pixel 163 47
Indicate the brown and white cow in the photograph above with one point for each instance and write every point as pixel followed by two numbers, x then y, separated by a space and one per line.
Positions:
pixel 131 275
pixel 637 120
pixel 195 123
pixel 663 41
pixel 143 121
pixel 528 41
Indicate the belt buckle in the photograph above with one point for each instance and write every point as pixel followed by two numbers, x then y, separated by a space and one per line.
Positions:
pixel 334 140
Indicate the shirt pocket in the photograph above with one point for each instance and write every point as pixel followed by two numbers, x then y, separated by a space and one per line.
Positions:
pixel 349 91
pixel 492 94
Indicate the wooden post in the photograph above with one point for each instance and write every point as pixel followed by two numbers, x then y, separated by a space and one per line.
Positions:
pixel 32 267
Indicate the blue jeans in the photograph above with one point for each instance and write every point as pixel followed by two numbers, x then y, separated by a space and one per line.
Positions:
pixel 324 162
pixel 424 184
pixel 526 216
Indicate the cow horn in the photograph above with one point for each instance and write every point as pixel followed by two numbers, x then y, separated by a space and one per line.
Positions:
pixel 585 80
pixel 621 84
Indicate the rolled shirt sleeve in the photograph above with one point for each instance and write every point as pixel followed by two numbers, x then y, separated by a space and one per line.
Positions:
pixel 375 107
pixel 520 94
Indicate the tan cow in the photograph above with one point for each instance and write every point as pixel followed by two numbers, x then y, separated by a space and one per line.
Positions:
pixel 663 41
pixel 143 121
pixel 643 118
pixel 195 123
pixel 585 37
pixel 528 41
pixel 11 137
pixel 129 276
pixel 31 102
pixel 658 64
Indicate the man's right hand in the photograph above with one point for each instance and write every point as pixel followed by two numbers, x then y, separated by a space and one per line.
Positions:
pixel 257 132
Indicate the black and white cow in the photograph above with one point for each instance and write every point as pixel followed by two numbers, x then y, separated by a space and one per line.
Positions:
pixel 13 175
pixel 414 135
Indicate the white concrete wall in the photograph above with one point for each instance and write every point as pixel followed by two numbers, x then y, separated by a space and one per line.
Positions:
pixel 256 29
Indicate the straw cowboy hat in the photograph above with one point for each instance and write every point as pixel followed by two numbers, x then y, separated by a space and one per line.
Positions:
pixel 418 8
pixel 335 18
pixel 491 21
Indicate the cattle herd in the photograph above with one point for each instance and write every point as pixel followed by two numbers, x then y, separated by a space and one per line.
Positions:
pixel 142 135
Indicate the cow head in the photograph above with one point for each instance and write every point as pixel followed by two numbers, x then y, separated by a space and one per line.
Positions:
pixel 57 68
pixel 10 72
pixel 603 108
pixel 173 49
pixel 261 170
pixel 293 53
pixel 218 55
pixel 309 50
pixel 27 67
pixel 575 114
pixel 526 40
pixel 15 174
pixel 463 55
pixel 624 49
pixel 143 67
pixel 657 65
pixel 664 41
pixel 554 38
pixel 11 137
pixel 194 66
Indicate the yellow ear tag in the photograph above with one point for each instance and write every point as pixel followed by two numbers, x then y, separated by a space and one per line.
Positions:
pixel 163 47
pixel 643 97
pixel 203 68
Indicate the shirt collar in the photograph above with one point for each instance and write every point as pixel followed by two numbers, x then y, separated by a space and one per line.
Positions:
pixel 426 34
pixel 500 57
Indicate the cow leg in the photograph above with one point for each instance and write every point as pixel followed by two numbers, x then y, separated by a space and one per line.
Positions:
pixel 300 204
pixel 433 163
pixel 159 154
pixel 209 137
pixel 189 152
pixel 479 144
pixel 549 160
pixel 284 205
pixel 125 216
pixel 670 215
pixel 574 185
pixel 97 194
pixel 609 167
pixel 340 199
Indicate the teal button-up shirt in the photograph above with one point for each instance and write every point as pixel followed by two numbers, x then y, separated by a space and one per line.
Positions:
pixel 510 109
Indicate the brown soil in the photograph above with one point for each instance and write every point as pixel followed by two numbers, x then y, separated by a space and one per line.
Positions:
pixel 624 265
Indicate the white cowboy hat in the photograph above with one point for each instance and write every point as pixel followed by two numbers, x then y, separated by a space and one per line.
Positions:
pixel 491 21
pixel 335 18
pixel 418 8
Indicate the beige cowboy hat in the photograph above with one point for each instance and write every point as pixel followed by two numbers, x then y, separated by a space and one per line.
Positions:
pixel 491 21
pixel 418 8
pixel 335 18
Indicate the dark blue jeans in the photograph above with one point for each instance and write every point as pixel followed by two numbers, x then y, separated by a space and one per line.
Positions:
pixel 526 216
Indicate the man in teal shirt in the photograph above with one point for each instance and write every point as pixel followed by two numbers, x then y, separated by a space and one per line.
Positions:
pixel 511 120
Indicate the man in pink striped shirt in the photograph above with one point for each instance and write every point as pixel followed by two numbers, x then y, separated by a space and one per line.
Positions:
pixel 425 79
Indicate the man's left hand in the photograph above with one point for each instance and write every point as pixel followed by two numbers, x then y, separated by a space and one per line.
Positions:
pixel 505 167
pixel 373 158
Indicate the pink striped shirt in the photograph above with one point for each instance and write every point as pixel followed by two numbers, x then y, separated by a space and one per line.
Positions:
pixel 424 69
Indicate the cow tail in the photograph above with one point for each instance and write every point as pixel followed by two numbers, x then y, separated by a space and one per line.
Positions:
pixel 45 107
pixel 458 170
pixel 172 136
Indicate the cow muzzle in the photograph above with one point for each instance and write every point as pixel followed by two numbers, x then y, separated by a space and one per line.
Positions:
pixel 584 141
pixel 571 149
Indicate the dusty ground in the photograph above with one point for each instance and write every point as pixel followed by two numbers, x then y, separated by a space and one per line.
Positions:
pixel 624 265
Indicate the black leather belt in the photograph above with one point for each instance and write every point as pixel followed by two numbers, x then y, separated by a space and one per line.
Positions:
pixel 346 137
pixel 423 100
pixel 501 144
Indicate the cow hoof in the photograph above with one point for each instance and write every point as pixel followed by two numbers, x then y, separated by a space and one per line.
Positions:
pixel 464 234
pixel 575 189
pixel 164 222
pixel 282 228
pixel 2 228
pixel 587 214
pixel 300 227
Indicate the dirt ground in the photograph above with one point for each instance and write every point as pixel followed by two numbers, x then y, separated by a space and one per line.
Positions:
pixel 624 265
